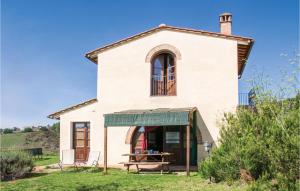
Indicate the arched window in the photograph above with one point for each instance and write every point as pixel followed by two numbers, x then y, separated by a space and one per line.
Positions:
pixel 163 75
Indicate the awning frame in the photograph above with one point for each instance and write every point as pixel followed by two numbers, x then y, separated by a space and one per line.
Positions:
pixel 152 117
pixel 156 117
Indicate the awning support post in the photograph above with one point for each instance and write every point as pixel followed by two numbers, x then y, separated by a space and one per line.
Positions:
pixel 188 142
pixel 105 150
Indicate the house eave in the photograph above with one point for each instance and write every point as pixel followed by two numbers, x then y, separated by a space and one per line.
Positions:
pixel 244 61
pixel 93 55
pixel 57 114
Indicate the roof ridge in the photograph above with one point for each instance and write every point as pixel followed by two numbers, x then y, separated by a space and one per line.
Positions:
pixel 91 54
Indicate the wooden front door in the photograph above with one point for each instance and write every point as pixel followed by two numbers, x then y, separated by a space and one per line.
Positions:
pixel 81 138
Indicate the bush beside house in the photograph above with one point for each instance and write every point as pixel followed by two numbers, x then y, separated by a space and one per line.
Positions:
pixel 15 164
pixel 259 144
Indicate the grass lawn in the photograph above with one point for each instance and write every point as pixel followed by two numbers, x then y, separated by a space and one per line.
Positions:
pixel 46 160
pixel 115 180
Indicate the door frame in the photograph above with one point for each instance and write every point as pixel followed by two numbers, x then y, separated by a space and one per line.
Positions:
pixel 87 132
pixel 179 160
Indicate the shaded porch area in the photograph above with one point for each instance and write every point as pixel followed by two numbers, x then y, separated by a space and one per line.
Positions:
pixel 164 139
pixel 158 132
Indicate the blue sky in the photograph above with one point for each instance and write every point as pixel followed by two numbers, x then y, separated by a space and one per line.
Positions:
pixel 43 42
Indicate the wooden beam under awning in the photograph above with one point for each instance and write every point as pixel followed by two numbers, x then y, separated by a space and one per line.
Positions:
pixel 188 149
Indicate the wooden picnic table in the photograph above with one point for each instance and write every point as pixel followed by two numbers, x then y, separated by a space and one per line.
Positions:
pixel 153 156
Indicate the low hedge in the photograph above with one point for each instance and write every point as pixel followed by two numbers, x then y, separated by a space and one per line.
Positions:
pixel 15 164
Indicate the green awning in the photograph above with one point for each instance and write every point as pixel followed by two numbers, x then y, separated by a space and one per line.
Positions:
pixel 150 117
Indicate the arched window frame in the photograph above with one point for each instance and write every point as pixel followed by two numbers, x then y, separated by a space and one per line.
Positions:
pixel 163 48
pixel 156 51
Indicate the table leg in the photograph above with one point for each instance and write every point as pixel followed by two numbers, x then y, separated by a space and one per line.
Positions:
pixel 137 167
pixel 162 166
pixel 128 169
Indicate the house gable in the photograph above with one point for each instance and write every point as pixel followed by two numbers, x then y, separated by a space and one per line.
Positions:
pixel 244 43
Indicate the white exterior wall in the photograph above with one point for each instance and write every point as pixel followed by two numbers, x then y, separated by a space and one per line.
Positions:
pixel 84 114
pixel 207 78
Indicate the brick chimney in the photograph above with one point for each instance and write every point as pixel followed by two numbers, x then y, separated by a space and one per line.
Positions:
pixel 225 23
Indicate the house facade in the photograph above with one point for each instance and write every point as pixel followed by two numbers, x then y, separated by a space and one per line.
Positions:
pixel 149 77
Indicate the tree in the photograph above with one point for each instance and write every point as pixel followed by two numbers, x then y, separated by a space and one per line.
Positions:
pixel 55 127
pixel 7 131
pixel 43 128
pixel 15 128
pixel 27 130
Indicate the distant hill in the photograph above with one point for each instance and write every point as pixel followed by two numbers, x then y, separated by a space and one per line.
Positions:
pixel 13 140
pixel 48 140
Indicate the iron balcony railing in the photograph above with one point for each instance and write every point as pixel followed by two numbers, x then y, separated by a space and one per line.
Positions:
pixel 247 99
pixel 163 85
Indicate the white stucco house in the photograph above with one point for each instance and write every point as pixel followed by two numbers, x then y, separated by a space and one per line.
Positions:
pixel 163 90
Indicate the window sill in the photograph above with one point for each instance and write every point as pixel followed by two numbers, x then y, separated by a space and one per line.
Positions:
pixel 163 95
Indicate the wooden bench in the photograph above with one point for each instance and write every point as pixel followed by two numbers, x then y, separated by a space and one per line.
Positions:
pixel 128 164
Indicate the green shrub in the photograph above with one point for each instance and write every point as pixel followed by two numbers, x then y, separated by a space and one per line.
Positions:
pixel 263 141
pixel 15 164
pixel 279 183
pixel 261 144
pixel 260 185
